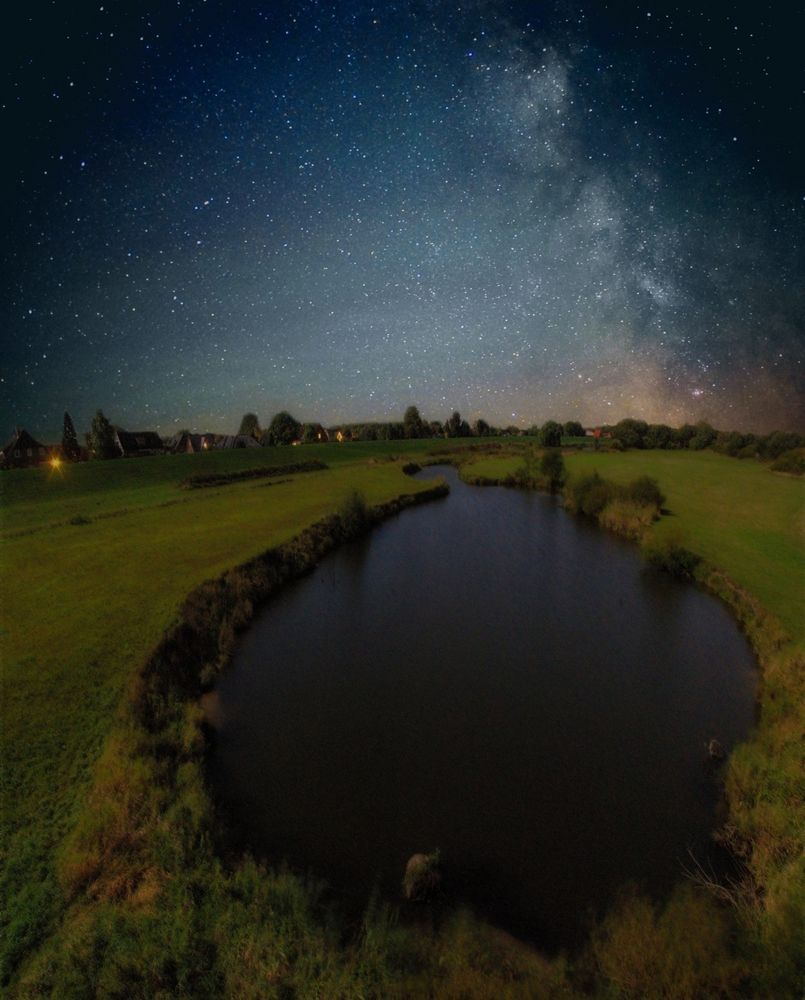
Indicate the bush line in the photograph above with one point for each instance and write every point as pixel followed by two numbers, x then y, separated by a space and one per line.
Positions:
pixel 202 480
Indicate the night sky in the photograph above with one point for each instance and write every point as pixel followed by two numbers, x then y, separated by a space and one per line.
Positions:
pixel 520 210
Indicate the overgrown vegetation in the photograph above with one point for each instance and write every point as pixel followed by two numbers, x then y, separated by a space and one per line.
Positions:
pixel 792 462
pixel 669 554
pixel 628 508
pixel 203 480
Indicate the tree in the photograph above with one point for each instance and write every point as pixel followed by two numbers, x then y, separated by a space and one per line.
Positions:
pixel 69 440
pixel 412 422
pixel 773 445
pixel 101 438
pixel 250 426
pixel 683 435
pixel 550 435
pixel 452 426
pixel 574 429
pixel 480 428
pixel 659 436
pixel 456 427
pixel 631 433
pixel 552 470
pixel 705 436
pixel 283 429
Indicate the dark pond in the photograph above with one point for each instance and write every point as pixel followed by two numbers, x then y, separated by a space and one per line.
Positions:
pixel 490 676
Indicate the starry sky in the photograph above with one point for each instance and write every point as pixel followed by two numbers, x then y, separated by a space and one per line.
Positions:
pixel 521 210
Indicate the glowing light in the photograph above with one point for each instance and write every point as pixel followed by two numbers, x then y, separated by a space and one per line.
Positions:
pixel 55 462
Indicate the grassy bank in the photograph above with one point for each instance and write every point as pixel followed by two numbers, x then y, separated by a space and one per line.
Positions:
pixel 112 882
pixel 744 526
pixel 96 563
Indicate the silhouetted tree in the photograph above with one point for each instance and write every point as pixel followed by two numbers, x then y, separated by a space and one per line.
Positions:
pixel 480 428
pixel 659 436
pixel 283 429
pixel 412 422
pixel 574 429
pixel 101 438
pixel 456 427
pixel 552 470
pixel 630 433
pixel 550 435
pixel 250 426
pixel 705 436
pixel 69 440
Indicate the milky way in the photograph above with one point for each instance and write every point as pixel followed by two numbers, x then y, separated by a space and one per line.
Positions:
pixel 519 210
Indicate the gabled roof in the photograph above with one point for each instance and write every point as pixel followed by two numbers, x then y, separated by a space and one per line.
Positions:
pixel 21 439
pixel 131 442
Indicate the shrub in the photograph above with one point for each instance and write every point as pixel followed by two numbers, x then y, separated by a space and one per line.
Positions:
pixel 774 444
pixel 589 494
pixel 627 517
pixel 645 490
pixel 792 462
pixel 680 951
pixel 202 480
pixel 354 514
pixel 668 554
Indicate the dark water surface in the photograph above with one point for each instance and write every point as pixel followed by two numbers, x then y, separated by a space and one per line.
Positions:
pixel 490 676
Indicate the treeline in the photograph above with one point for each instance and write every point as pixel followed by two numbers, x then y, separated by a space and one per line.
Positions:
pixel 783 448
pixel 630 433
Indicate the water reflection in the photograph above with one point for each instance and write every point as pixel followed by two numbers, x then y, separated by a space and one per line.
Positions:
pixel 490 676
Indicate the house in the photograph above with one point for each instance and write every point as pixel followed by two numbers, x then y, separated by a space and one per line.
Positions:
pixel 191 444
pixel 22 450
pixel 134 443
pixel 236 441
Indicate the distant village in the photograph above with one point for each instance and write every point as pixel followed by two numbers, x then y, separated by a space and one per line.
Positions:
pixel 105 440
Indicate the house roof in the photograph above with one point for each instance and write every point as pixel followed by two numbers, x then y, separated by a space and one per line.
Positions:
pixel 134 441
pixel 21 439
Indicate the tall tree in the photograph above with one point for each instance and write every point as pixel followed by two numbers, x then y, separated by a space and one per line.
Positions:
pixel 412 422
pixel 101 437
pixel 550 435
pixel 250 426
pixel 452 426
pixel 283 429
pixel 69 440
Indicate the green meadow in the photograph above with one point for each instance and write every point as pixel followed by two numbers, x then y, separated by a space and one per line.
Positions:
pixel 98 558
pixel 84 603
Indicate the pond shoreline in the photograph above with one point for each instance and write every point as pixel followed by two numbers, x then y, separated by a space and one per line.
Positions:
pixel 92 862
pixel 451 535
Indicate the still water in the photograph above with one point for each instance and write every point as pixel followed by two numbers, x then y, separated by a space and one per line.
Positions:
pixel 487 675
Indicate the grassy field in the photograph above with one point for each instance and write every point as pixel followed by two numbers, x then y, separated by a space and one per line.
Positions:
pixel 97 559
pixel 84 603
